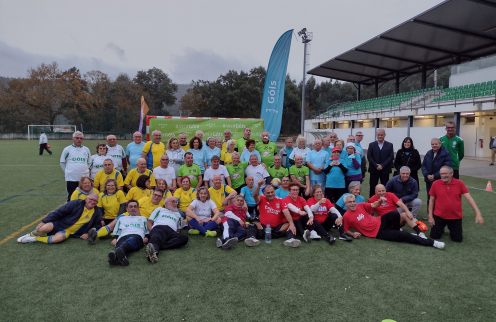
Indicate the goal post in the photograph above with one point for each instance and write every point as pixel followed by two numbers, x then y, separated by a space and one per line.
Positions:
pixel 34 130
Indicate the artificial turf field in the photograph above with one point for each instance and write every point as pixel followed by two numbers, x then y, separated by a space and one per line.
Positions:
pixel 366 280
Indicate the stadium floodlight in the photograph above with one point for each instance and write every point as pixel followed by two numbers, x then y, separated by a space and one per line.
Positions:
pixel 34 130
pixel 306 37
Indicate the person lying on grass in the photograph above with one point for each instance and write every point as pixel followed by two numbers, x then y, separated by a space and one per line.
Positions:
pixel 129 234
pixel 163 225
pixel 74 219
pixel 358 217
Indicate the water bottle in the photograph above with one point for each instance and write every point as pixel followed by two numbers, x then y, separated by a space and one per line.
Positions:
pixel 268 234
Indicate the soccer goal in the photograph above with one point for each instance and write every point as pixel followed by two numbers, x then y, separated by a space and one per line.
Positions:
pixel 34 130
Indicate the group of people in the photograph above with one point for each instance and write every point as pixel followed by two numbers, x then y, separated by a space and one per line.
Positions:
pixel 242 189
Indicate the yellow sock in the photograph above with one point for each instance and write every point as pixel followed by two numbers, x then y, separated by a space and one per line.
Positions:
pixel 45 240
pixel 102 232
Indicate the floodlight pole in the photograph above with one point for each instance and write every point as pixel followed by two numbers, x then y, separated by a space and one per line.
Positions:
pixel 306 37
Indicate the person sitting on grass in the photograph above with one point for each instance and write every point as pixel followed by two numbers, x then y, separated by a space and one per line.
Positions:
pixel 233 223
pixel 303 217
pixel 163 226
pixel 388 202
pixel 140 170
pixel 85 187
pixel 273 213
pixel 247 194
pixel 74 219
pixel 355 189
pixel 326 214
pixel 141 190
pixel 111 202
pixel 221 194
pixel 358 217
pixel 129 234
pixel 199 214
pixel 162 186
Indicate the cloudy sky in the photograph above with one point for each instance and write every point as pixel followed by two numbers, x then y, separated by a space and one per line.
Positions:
pixel 188 39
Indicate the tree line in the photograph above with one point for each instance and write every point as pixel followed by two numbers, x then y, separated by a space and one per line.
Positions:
pixel 105 105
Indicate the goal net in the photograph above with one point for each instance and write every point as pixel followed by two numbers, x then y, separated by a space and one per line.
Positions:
pixel 52 131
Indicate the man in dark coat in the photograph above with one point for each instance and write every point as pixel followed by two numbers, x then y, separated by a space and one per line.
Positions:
pixel 380 155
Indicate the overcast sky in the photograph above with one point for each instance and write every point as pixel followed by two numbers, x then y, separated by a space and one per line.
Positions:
pixel 189 40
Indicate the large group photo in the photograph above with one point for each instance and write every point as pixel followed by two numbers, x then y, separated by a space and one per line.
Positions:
pixel 361 192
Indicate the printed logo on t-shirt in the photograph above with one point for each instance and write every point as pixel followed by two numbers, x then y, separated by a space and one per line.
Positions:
pixel 360 217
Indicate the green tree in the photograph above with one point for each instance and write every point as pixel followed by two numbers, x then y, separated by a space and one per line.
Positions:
pixel 157 88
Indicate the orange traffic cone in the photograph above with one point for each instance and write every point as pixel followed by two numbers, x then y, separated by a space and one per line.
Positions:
pixel 489 186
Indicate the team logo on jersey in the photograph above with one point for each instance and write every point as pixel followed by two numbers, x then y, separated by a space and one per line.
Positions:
pixel 360 217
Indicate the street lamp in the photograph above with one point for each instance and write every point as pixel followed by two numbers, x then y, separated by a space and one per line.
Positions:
pixel 306 37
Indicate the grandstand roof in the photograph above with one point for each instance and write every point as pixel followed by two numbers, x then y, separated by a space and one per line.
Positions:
pixel 450 33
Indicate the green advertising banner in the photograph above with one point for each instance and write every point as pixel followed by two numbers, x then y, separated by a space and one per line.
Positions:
pixel 211 127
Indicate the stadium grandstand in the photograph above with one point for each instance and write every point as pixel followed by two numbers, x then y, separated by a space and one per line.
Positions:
pixel 456 33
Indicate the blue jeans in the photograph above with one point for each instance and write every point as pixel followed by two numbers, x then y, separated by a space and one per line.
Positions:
pixel 203 227
pixel 130 243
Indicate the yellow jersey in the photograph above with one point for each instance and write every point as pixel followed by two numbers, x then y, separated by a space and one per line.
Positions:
pixel 101 177
pixel 133 175
pixel 219 195
pixel 111 204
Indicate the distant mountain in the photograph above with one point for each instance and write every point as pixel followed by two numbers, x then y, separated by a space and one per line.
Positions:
pixel 174 110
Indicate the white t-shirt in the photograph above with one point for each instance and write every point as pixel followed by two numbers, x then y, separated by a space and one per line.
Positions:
pixel 297 151
pixel 258 172
pixel 176 158
pixel 130 225
pixel 75 162
pixel 43 138
pixel 96 164
pixel 203 209
pixel 168 174
pixel 116 153
pixel 220 171
pixel 165 217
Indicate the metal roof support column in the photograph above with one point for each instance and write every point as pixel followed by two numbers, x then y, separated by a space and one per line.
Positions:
pixel 333 125
pixel 352 126
pixel 397 83
pixel 457 123
pixel 376 87
pixel 359 91
pixel 377 122
pixel 424 77
pixel 410 124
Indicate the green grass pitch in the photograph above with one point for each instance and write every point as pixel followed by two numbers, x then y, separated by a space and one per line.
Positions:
pixel 366 280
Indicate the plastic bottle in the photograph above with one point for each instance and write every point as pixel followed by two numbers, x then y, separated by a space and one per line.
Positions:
pixel 268 234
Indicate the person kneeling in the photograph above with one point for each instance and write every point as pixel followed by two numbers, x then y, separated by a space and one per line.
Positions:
pixel 74 219
pixel 163 224
pixel 387 227
pixel 129 234
pixel 233 223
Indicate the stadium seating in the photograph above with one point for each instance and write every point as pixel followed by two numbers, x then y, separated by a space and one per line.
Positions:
pixel 397 101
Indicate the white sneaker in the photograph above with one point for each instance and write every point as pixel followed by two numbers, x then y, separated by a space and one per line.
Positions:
pixel 251 242
pixel 422 235
pixel 292 242
pixel 25 239
pixel 218 243
pixel 438 244
pixel 306 236
pixel 314 235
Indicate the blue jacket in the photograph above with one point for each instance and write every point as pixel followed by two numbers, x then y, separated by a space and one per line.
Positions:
pixel 406 191
pixel 68 215
pixel 432 165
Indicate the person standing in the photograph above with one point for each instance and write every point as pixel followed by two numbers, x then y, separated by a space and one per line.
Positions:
pixel 380 155
pixel 44 144
pixel 285 152
pixel 267 149
pixel 153 150
pixel 316 162
pixel 241 142
pixel 133 149
pixel 359 149
pixel 117 154
pixel 492 146
pixel 408 156
pixel 75 162
pixel 455 147
pixel 434 159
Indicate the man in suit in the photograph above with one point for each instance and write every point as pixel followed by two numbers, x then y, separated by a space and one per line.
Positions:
pixel 380 156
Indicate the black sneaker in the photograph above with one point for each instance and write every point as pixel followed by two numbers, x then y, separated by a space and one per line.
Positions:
pixel 307 236
pixel 151 253
pixel 112 258
pixel 230 243
pixel 345 237
pixel 121 257
pixel 331 240
pixel 92 234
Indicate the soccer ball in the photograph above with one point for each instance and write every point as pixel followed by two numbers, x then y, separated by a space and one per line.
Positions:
pixel 275 182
